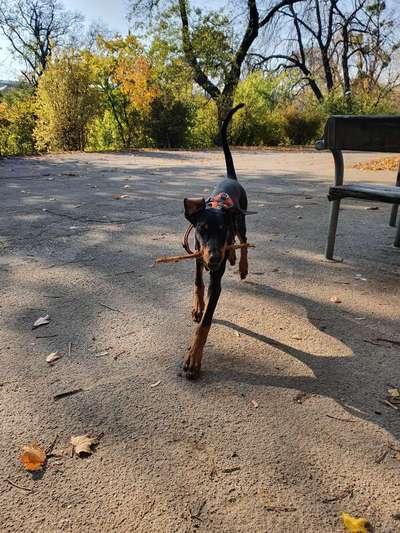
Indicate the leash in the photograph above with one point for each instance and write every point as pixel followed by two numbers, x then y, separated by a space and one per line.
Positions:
pixel 185 240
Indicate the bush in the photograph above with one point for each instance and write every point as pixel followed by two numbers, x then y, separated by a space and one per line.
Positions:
pixel 302 127
pixel 168 122
pixel 17 122
pixel 66 102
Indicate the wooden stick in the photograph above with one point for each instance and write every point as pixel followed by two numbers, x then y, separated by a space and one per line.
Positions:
pixel 176 258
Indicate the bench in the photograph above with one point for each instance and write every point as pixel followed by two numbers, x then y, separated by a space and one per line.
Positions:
pixel 363 134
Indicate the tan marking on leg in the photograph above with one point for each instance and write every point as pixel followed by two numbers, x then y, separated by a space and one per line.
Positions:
pixel 243 263
pixel 192 363
pixel 198 303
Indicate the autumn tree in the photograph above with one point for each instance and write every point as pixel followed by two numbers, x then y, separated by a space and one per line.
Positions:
pixel 123 75
pixel 211 45
pixel 34 28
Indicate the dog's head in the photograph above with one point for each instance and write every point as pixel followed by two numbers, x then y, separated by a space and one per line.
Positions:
pixel 213 226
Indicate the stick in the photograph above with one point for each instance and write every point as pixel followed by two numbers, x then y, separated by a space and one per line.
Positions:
pixel 18 486
pixel 176 258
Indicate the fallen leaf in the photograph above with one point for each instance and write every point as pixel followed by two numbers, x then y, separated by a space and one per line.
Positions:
pixel 385 163
pixel 336 300
pixel 156 383
pixel 41 321
pixel 394 396
pixel 237 334
pixel 355 525
pixel 119 196
pixel 254 403
pixel 52 357
pixel 33 457
pixel 82 444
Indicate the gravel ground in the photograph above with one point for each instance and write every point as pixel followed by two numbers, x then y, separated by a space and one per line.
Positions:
pixel 286 427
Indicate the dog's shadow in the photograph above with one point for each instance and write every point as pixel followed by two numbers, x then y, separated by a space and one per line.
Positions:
pixel 357 382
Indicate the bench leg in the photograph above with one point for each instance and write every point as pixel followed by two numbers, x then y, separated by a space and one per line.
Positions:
pixel 333 220
pixel 397 238
pixel 393 215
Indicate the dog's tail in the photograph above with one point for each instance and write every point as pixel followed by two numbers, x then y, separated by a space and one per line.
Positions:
pixel 230 167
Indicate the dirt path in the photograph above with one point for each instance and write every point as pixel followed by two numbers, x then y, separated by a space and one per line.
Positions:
pixel 181 456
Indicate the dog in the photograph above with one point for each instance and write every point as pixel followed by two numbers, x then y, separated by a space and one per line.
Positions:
pixel 217 221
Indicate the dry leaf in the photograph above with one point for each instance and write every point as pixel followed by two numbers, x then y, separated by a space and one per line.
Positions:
pixel 254 403
pixel 33 457
pixel 394 396
pixel 336 300
pixel 119 196
pixel 355 525
pixel 52 357
pixel 41 321
pixel 82 444
pixel 156 383
pixel 385 163
pixel 237 334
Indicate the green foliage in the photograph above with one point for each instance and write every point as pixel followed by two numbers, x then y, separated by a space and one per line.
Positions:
pixel 17 122
pixel 168 122
pixel 302 126
pixel 66 102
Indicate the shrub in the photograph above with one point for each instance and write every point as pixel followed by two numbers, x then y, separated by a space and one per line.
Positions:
pixel 17 122
pixel 302 127
pixel 66 102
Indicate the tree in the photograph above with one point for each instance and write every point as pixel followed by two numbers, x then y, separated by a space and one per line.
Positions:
pixel 66 103
pixel 34 28
pixel 332 43
pixel 123 76
pixel 222 83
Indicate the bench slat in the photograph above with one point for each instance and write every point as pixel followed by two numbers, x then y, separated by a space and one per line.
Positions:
pixel 373 193
pixel 363 133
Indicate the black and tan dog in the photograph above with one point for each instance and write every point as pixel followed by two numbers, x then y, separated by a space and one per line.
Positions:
pixel 217 221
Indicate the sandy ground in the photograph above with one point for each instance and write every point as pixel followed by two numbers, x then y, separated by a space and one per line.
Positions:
pixel 183 456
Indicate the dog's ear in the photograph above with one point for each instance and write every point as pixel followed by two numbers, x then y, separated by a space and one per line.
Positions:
pixel 193 206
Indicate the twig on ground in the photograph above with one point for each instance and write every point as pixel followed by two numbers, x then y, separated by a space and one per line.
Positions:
pixel 66 393
pixel 277 509
pixel 110 308
pixel 342 419
pixel 391 341
pixel 389 404
pixel 118 354
pixel 18 486
pixel 50 448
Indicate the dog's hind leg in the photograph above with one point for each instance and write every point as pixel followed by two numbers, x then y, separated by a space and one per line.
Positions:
pixel 241 233
pixel 198 293
pixel 192 363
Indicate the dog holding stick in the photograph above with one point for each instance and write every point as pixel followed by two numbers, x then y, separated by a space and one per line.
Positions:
pixel 217 221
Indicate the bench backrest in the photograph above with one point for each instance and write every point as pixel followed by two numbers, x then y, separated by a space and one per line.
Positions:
pixel 363 133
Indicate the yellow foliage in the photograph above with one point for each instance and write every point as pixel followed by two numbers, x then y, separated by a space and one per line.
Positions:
pixel 355 525
pixel 385 163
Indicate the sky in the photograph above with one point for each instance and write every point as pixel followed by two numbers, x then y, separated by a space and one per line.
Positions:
pixel 111 12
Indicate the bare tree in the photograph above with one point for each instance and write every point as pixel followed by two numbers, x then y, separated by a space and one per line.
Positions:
pixel 222 93
pixel 335 43
pixel 34 28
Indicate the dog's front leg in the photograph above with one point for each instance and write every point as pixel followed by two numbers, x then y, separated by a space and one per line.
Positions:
pixel 198 296
pixel 241 233
pixel 192 363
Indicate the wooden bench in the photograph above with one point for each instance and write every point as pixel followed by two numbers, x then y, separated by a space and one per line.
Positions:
pixel 364 134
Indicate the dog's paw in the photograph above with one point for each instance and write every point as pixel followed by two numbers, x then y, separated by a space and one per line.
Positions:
pixel 192 372
pixel 243 275
pixel 197 315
